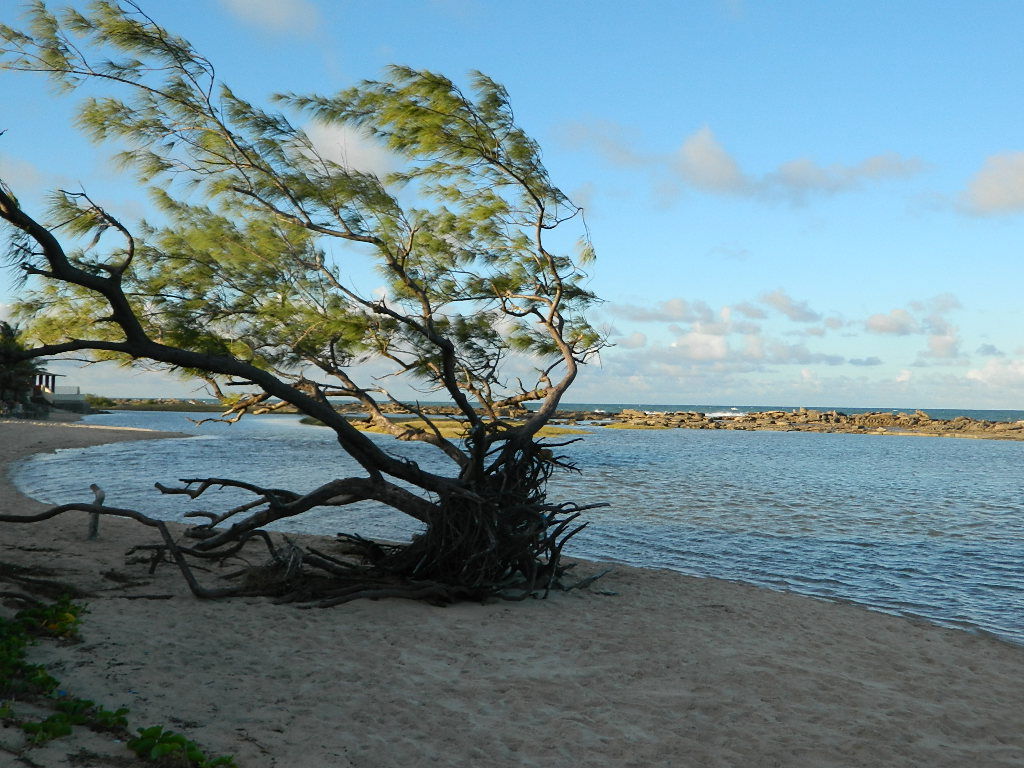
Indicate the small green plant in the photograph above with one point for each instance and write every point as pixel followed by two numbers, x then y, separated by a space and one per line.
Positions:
pixel 21 680
pixel 155 743
pixel 53 727
pixel 77 711
pixel 105 720
pixel 12 658
pixel 71 712
pixel 17 676
pixel 39 680
pixel 60 619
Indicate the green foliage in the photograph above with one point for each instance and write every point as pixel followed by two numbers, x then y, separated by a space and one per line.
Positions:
pixel 255 272
pixel 16 675
pixel 16 376
pixel 21 680
pixel 248 274
pixel 107 720
pixel 53 727
pixel 155 743
pixel 99 401
pixel 60 619
pixel 71 712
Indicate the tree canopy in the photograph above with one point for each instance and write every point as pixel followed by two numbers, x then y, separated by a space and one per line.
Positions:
pixel 243 278
pixel 16 376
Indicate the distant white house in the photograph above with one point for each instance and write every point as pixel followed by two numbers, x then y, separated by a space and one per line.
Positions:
pixel 45 387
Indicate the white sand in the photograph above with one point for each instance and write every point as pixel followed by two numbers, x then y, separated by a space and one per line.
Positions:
pixel 670 671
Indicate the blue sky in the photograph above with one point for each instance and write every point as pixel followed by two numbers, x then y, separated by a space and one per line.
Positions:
pixel 801 203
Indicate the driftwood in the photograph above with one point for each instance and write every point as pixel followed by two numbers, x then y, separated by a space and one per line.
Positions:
pixel 37 581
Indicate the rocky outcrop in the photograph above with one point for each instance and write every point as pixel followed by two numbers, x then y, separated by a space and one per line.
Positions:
pixel 800 420
pixel 808 420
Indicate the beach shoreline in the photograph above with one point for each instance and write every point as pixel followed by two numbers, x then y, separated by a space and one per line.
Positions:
pixel 647 668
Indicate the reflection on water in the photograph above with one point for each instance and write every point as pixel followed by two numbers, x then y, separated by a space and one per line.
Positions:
pixel 924 526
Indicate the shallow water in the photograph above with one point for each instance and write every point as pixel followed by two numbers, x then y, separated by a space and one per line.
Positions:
pixel 924 526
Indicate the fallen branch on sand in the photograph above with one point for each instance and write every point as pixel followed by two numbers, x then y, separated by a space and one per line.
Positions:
pixel 359 568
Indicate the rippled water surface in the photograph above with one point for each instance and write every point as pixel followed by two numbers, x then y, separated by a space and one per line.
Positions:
pixel 922 526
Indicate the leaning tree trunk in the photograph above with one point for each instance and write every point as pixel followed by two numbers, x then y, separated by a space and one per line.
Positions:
pixel 503 534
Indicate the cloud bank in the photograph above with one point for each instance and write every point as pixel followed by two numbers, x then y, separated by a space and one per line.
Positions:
pixel 703 163
pixel 998 188
pixel 278 16
pixel 351 148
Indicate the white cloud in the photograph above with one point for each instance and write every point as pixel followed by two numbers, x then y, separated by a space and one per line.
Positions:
pixel 750 310
pixel 703 162
pixel 898 322
pixel 798 354
pixel 697 345
pixel 715 328
pixel 611 140
pixel 945 346
pixel 796 311
pixel 583 196
pixel 351 148
pixel 809 381
pixel 940 304
pixel 671 310
pixel 637 383
pixel 1000 373
pixel 798 178
pixel 927 318
pixel 17 173
pixel 998 187
pixel 279 16
pixel 633 341
pixel 25 179
pixel 904 376
pixel 753 347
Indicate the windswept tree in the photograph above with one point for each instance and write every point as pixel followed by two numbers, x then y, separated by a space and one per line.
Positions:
pixel 244 280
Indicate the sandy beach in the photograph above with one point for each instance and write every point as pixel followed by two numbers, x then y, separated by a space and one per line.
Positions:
pixel 649 668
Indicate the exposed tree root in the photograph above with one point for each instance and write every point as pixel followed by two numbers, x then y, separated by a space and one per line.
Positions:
pixel 479 551
pixel 31 580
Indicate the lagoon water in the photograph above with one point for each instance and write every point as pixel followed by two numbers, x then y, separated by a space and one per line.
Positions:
pixel 923 526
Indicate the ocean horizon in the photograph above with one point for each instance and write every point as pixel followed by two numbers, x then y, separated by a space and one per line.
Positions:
pixel 980 414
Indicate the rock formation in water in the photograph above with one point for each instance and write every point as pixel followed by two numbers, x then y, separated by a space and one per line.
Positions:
pixel 808 420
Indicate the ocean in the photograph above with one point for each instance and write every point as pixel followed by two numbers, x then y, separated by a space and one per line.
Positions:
pixel 918 526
